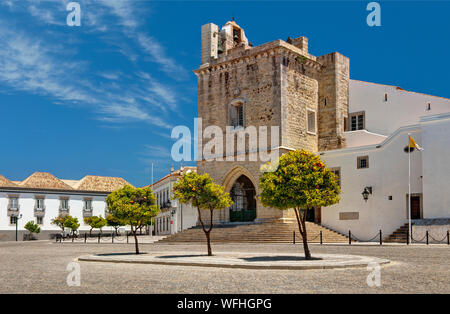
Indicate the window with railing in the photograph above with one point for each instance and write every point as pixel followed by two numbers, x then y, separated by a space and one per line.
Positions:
pixel 39 204
pixel 64 204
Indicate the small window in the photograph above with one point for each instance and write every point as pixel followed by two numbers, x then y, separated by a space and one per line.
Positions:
pixel 311 123
pixel 325 102
pixel 64 204
pixel 237 116
pixel 40 220
pixel 13 220
pixel 362 162
pixel 428 106
pixel 87 204
pixel 13 203
pixel 357 121
pixel 40 204
pixel 385 97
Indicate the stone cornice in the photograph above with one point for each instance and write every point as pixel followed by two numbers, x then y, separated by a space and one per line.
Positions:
pixel 263 51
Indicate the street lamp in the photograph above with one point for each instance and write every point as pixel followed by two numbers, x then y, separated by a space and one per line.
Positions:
pixel 366 192
pixel 17 222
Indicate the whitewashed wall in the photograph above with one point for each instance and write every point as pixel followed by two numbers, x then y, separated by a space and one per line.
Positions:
pixel 436 166
pixel 52 203
pixel 401 109
pixel 387 175
pixel 190 215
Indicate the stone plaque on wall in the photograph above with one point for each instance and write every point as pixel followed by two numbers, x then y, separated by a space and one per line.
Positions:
pixel 348 215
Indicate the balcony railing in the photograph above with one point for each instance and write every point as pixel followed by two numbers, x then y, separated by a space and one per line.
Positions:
pixel 13 210
pixel 13 207
pixel 39 211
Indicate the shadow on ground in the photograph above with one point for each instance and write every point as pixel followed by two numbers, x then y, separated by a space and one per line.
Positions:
pixel 118 254
pixel 175 256
pixel 277 258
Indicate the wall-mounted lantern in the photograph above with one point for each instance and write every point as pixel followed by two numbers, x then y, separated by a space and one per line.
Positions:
pixel 366 192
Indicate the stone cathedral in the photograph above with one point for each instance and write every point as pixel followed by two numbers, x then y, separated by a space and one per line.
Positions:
pixel 275 84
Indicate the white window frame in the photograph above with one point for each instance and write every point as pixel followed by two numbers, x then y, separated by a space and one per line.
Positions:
pixel 10 203
pixel 87 201
pixel 40 201
pixel 308 111
pixel 356 115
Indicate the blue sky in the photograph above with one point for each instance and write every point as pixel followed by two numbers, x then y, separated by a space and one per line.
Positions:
pixel 102 98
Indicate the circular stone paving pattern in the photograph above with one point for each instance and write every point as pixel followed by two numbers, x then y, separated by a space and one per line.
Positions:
pixel 239 260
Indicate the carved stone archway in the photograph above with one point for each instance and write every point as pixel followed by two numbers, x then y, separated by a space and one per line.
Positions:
pixel 230 179
pixel 234 174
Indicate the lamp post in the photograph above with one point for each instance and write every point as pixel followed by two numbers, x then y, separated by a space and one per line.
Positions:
pixel 17 223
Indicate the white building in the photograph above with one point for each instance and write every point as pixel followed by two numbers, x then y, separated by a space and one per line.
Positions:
pixel 41 197
pixel 174 216
pixel 380 119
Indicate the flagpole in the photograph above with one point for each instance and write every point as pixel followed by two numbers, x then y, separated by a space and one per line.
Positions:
pixel 152 175
pixel 409 192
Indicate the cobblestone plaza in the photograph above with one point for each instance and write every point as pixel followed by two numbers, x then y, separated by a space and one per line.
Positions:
pixel 40 267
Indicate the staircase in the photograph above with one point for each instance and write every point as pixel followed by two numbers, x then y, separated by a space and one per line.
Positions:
pixel 265 232
pixel 399 235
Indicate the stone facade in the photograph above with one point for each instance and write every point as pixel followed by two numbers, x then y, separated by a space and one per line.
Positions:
pixel 278 84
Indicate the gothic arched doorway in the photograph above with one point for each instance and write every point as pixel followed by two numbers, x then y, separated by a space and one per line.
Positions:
pixel 243 194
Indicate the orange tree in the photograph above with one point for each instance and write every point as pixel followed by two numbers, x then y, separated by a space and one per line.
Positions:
pixel 95 222
pixel 133 206
pixel 59 221
pixel 301 182
pixel 203 193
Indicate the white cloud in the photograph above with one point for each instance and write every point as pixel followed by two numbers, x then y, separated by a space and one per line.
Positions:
pixel 26 64
pixel 157 53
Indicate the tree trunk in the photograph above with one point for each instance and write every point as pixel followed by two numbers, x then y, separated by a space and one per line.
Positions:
pixel 305 241
pixel 136 245
pixel 302 229
pixel 208 241
pixel 207 232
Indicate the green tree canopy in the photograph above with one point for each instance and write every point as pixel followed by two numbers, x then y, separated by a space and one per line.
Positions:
pixel 203 193
pixel 114 222
pixel 133 206
pixel 32 227
pixel 302 182
pixel 71 223
pixel 95 222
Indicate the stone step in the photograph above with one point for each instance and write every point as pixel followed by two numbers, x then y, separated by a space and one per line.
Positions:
pixel 267 232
